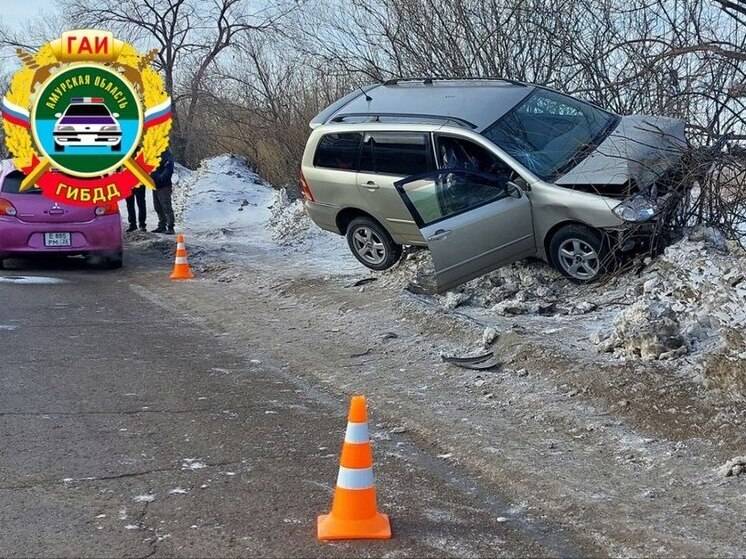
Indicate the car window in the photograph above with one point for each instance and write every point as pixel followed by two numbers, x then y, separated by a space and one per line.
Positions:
pixel 12 184
pixel 396 153
pixel 458 153
pixel 87 110
pixel 549 133
pixel 432 198
pixel 338 151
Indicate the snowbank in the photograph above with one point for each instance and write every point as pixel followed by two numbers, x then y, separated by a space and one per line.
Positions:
pixel 224 201
pixel 690 300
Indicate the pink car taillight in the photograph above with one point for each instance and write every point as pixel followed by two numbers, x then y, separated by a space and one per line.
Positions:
pixel 108 209
pixel 6 208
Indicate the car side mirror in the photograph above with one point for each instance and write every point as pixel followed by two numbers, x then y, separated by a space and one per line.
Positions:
pixel 57 115
pixel 514 190
pixel 115 115
pixel 522 183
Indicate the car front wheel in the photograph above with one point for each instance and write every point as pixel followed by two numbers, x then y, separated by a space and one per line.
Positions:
pixel 371 244
pixel 578 252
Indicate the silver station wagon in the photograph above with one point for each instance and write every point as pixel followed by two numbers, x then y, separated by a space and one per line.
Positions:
pixel 485 172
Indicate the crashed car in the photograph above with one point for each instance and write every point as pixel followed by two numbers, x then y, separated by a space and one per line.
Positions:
pixel 484 173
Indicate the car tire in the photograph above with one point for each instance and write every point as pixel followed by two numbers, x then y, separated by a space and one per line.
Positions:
pixel 58 147
pixel 371 244
pixel 579 253
pixel 114 262
pixel 117 147
pixel 106 260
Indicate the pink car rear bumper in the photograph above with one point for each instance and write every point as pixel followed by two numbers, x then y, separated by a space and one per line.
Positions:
pixel 102 234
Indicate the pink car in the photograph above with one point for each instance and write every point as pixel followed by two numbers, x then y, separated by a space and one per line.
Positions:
pixel 31 224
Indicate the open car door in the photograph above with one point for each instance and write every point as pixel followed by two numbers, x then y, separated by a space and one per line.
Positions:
pixel 473 222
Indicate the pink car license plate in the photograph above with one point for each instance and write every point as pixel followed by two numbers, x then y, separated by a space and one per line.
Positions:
pixel 57 239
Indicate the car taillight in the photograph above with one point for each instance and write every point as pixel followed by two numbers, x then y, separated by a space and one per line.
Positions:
pixel 109 209
pixel 305 190
pixel 6 208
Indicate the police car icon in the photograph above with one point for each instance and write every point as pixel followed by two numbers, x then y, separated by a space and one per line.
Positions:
pixel 87 122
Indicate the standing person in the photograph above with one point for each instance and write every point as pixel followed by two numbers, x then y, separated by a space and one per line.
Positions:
pixel 162 193
pixel 138 195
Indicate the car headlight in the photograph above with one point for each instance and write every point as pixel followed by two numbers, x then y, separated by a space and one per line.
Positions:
pixel 638 208
pixel 65 129
pixel 110 129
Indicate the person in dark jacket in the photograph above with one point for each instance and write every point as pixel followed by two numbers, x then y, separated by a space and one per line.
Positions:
pixel 162 193
pixel 138 195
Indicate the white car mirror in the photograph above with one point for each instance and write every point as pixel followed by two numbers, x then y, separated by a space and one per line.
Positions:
pixel 57 115
pixel 115 115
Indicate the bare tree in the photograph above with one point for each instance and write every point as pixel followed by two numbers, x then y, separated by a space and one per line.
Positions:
pixel 190 36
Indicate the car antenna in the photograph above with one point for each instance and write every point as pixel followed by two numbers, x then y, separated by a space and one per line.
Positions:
pixel 368 98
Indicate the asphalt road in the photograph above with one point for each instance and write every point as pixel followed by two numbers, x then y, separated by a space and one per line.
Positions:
pixel 129 429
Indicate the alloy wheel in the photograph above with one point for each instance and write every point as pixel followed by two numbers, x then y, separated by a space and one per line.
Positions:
pixel 369 245
pixel 579 259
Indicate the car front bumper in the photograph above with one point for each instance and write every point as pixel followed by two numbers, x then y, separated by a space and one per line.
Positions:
pixel 87 138
pixel 102 234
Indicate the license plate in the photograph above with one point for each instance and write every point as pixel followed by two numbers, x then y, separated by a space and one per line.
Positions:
pixel 57 239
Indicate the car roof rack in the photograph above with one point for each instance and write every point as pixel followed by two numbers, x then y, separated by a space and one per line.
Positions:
pixel 377 116
pixel 430 79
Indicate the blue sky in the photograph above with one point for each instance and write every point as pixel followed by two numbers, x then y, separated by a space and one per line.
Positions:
pixel 15 12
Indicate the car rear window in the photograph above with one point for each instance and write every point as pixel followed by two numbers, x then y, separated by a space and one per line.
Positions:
pixel 338 151
pixel 12 184
pixel 396 153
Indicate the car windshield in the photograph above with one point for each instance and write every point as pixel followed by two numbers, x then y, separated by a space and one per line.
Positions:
pixel 549 133
pixel 12 184
pixel 87 110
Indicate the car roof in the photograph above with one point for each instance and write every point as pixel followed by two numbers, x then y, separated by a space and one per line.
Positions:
pixel 473 103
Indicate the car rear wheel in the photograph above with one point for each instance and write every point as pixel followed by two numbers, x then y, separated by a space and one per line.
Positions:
pixel 578 252
pixel 117 147
pixel 58 147
pixel 371 244
pixel 114 262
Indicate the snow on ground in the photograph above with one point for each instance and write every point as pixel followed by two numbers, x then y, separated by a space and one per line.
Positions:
pixel 225 202
pixel 689 301
pixel 224 199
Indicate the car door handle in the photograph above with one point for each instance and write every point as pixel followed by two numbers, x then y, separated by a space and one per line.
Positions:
pixel 439 235
pixel 371 185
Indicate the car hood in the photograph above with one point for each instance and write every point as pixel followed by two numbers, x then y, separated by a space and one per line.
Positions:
pixel 640 149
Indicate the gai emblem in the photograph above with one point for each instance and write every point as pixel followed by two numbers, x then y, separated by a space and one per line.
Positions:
pixel 86 118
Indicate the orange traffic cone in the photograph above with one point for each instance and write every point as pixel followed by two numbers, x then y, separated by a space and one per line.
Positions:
pixel 354 513
pixel 182 271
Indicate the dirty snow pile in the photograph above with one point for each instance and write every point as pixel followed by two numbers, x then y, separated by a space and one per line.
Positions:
pixel 690 300
pixel 289 223
pixel 529 287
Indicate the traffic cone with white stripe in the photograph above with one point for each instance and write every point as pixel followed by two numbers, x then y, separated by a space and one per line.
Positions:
pixel 182 270
pixel 354 513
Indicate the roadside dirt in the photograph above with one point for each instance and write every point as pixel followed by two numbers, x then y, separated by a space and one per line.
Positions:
pixel 620 453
